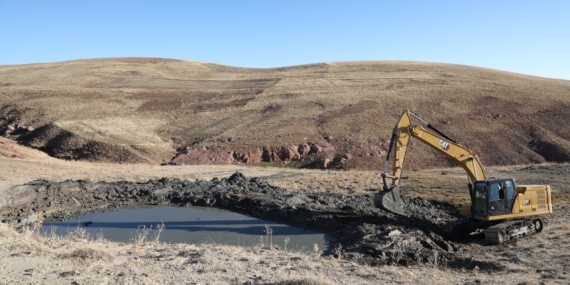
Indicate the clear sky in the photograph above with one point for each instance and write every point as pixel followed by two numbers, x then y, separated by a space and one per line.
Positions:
pixel 529 37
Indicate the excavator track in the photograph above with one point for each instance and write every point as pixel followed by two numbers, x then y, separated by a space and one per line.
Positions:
pixel 512 230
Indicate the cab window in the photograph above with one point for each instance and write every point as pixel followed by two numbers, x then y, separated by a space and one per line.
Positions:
pixel 510 188
pixel 494 194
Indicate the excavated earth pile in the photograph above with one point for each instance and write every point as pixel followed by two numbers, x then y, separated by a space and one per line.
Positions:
pixel 363 232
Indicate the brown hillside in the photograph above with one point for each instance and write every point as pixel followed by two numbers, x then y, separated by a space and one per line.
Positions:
pixel 154 110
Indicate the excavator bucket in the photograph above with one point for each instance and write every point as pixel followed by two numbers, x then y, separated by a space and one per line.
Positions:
pixel 390 200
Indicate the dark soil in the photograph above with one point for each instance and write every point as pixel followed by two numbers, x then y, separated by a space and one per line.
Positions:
pixel 364 233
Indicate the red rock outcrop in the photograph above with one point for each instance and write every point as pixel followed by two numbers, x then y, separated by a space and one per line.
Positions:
pixel 290 153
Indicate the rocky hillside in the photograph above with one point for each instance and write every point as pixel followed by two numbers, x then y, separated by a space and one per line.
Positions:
pixel 327 115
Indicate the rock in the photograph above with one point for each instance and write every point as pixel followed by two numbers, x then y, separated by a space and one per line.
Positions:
pixel 297 200
pixel 394 233
pixel 288 154
pixel 269 155
pixel 304 149
pixel 248 155
pixel 315 149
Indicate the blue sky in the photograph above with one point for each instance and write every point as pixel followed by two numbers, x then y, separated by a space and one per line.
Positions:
pixel 529 37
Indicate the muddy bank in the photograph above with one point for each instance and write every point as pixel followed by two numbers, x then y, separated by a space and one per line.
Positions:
pixel 364 233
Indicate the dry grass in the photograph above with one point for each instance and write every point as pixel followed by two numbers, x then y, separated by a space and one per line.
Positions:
pixel 89 253
pixel 154 105
pixel 20 171
pixel 30 258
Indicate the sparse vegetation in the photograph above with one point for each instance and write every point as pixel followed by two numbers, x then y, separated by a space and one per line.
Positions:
pixel 269 232
pixel 154 262
pixel 89 253
pixel 142 110
pixel 143 234
pixel 30 258
pixel 147 110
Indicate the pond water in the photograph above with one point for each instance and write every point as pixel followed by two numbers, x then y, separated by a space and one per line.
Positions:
pixel 195 225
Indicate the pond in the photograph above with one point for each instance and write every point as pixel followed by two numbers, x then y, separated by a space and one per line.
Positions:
pixel 193 225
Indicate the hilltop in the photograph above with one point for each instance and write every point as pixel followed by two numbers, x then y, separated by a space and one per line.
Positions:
pixel 341 114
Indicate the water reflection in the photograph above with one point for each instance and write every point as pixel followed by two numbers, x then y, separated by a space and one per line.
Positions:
pixel 190 225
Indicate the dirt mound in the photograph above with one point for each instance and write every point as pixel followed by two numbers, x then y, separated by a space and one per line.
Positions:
pixel 549 145
pixel 64 144
pixel 11 149
pixel 363 232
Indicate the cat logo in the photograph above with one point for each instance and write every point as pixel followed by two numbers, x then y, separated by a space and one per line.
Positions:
pixel 444 145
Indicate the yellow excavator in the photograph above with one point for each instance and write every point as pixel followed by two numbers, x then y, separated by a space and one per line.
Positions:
pixel 503 210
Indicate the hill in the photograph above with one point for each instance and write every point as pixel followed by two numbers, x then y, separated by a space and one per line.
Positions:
pixel 154 110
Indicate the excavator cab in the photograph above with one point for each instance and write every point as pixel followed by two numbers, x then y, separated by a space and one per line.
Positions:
pixel 492 197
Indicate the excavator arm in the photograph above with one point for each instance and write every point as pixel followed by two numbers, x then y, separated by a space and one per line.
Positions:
pixel 390 199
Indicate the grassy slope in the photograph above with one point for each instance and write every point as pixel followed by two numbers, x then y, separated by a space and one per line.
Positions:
pixel 141 109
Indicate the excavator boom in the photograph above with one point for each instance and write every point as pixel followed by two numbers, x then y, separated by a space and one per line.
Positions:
pixel 390 199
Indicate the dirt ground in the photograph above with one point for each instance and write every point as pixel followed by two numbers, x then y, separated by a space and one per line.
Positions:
pixel 376 247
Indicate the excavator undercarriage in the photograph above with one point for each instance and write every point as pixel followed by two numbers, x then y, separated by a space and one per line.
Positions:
pixel 512 230
pixel 497 232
